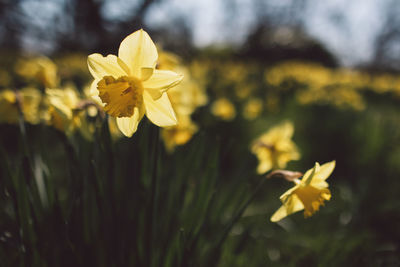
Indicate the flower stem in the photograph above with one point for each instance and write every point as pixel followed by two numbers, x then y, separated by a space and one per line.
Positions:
pixel 153 191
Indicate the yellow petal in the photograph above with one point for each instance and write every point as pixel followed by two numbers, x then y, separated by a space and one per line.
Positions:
pixel 94 92
pixel 161 81
pixel 110 65
pixel 128 125
pixel 279 214
pixel 138 51
pixel 265 161
pixel 293 205
pixel 285 196
pixel 146 73
pixel 318 183
pixel 309 175
pixel 325 170
pixel 160 111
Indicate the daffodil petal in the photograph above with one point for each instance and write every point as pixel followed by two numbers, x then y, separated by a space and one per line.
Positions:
pixel 285 196
pixel 94 92
pixel 318 183
pixel 137 50
pixel 160 82
pixel 146 73
pixel 287 130
pixel 325 170
pixel 163 79
pixel 160 111
pixel 279 214
pixel 110 65
pixel 293 205
pixel 128 125
pixel 265 162
pixel 309 175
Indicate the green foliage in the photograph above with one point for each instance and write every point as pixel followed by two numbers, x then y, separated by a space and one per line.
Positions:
pixel 68 201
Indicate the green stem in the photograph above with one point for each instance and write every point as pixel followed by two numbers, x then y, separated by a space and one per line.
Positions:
pixel 153 192
pixel 236 218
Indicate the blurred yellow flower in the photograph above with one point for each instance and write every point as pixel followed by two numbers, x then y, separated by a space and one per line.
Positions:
pixel 309 193
pixel 42 69
pixel 224 109
pixel 130 86
pixel 187 95
pixel 27 99
pixel 179 134
pixel 274 149
pixel 185 98
pixel 65 113
pixel 8 107
pixel 253 108
pixel 31 99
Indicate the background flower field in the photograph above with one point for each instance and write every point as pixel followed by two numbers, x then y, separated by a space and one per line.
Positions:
pixel 76 192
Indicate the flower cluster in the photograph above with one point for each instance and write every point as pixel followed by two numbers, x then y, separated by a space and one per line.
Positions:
pixel 143 80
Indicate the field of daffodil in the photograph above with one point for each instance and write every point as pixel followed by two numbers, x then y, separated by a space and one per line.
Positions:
pixel 143 158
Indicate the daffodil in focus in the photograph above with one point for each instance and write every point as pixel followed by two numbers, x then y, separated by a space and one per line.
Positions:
pixel 274 149
pixel 130 86
pixel 223 109
pixel 308 194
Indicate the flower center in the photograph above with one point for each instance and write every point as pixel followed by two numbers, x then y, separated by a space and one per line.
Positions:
pixel 120 95
pixel 312 198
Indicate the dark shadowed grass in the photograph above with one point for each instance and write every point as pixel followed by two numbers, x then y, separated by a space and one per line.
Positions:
pixel 72 202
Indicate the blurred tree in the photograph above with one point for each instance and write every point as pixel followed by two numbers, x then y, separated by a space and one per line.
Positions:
pixel 387 41
pixel 74 25
pixel 92 31
pixel 10 23
pixel 274 44
pixel 87 29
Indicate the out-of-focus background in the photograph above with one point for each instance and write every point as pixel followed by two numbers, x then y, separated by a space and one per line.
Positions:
pixel 330 67
pixel 356 33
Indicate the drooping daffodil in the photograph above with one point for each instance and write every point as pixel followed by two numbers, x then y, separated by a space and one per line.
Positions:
pixel 308 194
pixel 130 86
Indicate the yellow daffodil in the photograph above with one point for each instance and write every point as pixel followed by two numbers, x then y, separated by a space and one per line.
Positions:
pixel 31 99
pixel 309 193
pixel 130 86
pixel 185 98
pixel 41 69
pixel 179 134
pixel 252 109
pixel 224 109
pixel 27 99
pixel 64 111
pixel 189 94
pixel 274 149
pixel 8 107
